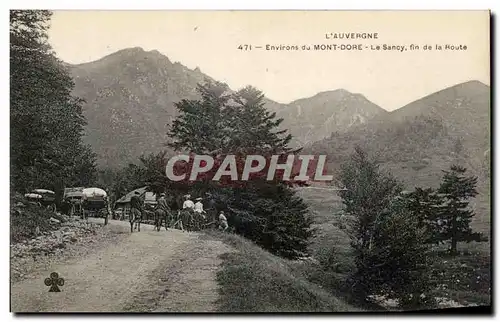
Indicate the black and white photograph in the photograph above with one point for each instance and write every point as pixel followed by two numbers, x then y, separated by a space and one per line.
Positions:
pixel 231 161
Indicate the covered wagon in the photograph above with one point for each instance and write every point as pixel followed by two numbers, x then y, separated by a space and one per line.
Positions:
pixel 72 200
pixel 95 203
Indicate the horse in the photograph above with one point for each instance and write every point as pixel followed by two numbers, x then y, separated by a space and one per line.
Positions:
pixel 187 219
pixel 160 217
pixel 175 204
pixel 135 216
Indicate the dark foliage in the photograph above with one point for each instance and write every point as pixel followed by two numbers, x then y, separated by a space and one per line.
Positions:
pixel 455 218
pixel 46 120
pixel 388 241
pixel 222 124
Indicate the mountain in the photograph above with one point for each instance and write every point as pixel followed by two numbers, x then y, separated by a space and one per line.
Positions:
pixel 314 118
pixel 464 109
pixel 130 98
pixel 452 124
pixel 424 137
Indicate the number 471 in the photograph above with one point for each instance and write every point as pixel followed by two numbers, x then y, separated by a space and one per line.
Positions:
pixel 245 47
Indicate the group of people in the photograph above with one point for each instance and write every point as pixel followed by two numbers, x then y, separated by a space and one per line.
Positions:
pixel 198 210
pixel 163 213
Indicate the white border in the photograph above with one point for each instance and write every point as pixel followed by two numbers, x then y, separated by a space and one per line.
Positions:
pixel 255 4
pixel 190 5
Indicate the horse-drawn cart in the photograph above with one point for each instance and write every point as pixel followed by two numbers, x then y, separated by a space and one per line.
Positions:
pixel 87 202
pixel 95 203
pixel 73 199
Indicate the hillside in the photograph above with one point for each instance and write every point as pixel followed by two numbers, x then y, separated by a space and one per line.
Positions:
pixel 314 118
pixel 464 110
pixel 419 140
pixel 254 280
pixel 130 97
pixel 452 125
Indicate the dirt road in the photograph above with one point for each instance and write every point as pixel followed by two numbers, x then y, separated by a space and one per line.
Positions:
pixel 148 271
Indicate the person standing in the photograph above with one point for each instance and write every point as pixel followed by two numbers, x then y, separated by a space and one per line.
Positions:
pixel 199 214
pixel 211 207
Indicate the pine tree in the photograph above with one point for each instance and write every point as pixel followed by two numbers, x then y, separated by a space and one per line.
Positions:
pixel 455 220
pixel 201 126
pixel 271 215
pixel 223 123
pixel 427 206
pixel 46 120
pixel 253 126
pixel 367 195
pixel 388 234
pixel 398 264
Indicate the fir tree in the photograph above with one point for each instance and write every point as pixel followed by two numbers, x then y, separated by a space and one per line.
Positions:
pixel 398 264
pixel 253 126
pixel 387 233
pixel 368 193
pixel 427 206
pixel 220 124
pixel 201 126
pixel 455 219
pixel 46 120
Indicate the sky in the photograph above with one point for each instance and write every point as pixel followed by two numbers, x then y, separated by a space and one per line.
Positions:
pixel 210 40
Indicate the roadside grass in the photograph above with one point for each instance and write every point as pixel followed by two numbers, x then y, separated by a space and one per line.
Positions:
pixel 465 278
pixel 254 280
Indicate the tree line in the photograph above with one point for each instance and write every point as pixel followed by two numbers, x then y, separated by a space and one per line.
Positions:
pixel 46 120
pixel 392 231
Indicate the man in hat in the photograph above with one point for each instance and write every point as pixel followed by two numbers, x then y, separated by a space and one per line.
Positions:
pixel 199 213
pixel 198 207
pixel 135 211
pixel 187 213
pixel 188 204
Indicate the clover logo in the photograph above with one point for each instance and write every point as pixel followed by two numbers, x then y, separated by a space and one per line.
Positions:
pixel 54 281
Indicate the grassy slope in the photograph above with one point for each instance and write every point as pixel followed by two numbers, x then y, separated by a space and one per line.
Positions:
pixel 253 280
pixel 464 278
